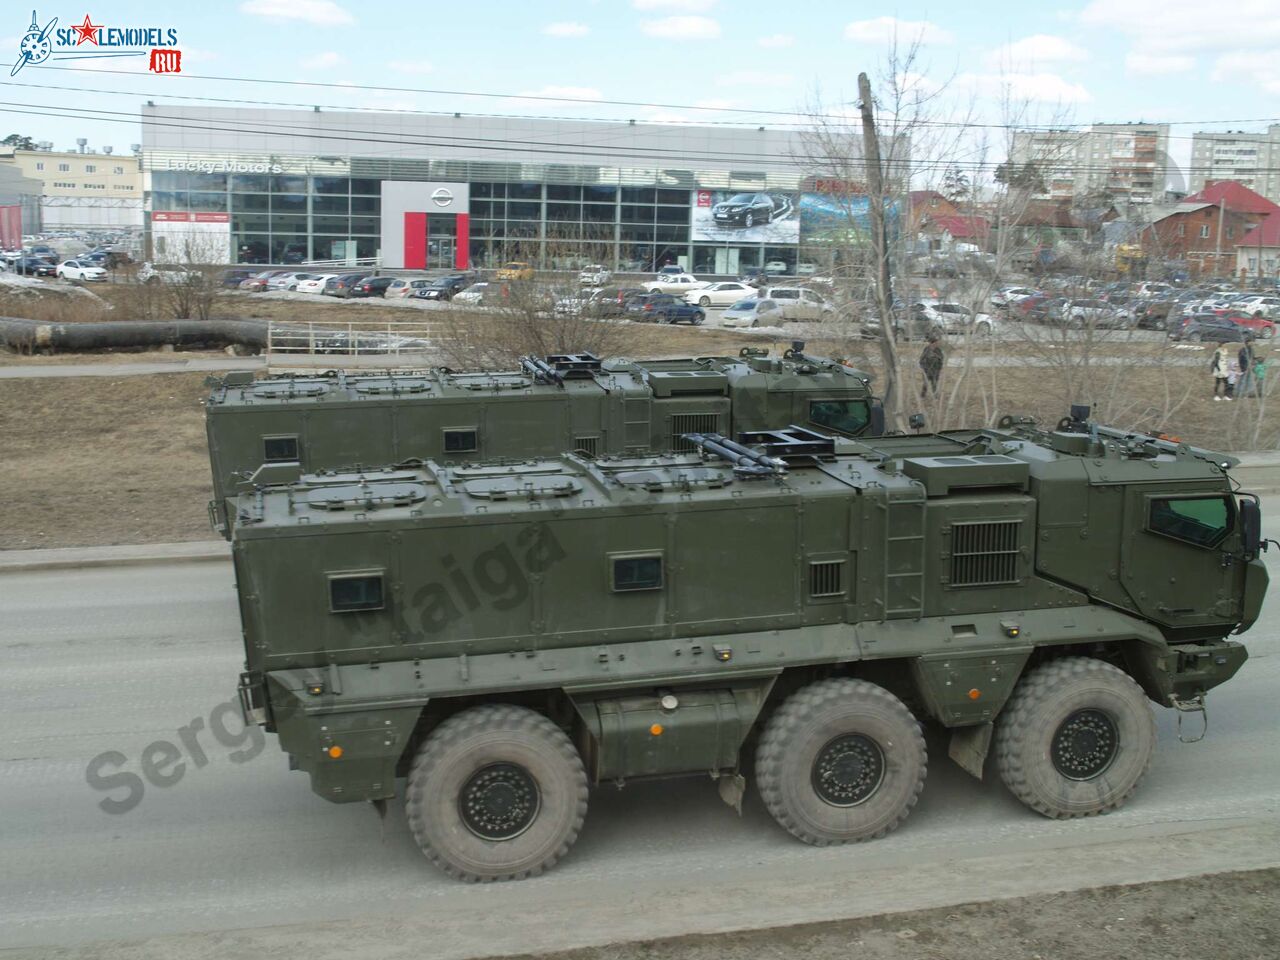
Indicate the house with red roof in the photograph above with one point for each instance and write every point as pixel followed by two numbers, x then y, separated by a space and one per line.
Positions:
pixel 1258 252
pixel 1233 195
pixel 1208 229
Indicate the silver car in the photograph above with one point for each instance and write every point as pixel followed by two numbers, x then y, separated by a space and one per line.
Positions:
pixel 753 312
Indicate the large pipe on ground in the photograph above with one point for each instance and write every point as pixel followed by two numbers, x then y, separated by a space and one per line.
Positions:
pixel 28 335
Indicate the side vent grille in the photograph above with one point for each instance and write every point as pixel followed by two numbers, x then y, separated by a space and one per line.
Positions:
pixel 587 445
pixel 984 554
pixel 682 423
pixel 826 578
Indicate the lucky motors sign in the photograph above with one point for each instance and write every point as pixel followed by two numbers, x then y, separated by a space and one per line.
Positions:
pixel 225 166
pixel 89 40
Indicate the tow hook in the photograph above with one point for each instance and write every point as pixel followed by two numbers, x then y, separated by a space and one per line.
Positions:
pixel 1194 705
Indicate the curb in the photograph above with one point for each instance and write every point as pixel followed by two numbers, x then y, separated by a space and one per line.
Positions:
pixel 75 558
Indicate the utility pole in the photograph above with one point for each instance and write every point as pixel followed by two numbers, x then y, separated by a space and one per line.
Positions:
pixel 880 252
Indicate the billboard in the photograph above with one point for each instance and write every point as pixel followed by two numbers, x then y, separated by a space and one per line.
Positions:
pixel 842 219
pixel 750 216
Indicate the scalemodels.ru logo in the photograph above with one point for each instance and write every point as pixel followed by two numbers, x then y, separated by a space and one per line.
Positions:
pixel 88 40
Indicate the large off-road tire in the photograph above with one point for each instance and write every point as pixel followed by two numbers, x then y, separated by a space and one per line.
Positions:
pixel 1075 738
pixel 496 793
pixel 841 760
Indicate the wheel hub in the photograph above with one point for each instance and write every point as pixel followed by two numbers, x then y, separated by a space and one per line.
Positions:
pixel 848 770
pixel 499 801
pixel 1085 744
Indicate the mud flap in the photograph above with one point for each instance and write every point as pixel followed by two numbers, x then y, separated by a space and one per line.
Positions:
pixel 969 746
pixel 733 786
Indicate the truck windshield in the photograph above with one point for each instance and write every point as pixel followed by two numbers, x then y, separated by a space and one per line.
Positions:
pixel 844 416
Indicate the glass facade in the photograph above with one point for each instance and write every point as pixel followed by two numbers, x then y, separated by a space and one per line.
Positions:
pixel 292 218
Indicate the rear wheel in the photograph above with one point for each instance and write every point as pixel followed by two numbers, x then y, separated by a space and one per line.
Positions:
pixel 1075 738
pixel 1268 332
pixel 496 793
pixel 704 301
pixel 1195 337
pixel 842 760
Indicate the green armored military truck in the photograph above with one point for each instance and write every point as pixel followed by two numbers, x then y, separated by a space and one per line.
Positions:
pixel 562 403
pixel 508 635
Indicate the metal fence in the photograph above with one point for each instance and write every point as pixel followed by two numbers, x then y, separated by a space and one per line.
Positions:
pixel 350 343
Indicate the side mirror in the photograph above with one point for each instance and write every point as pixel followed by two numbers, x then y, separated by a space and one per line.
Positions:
pixel 1250 527
pixel 877 418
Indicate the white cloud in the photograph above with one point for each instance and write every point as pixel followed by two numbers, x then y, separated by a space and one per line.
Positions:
pixel 689 6
pixel 754 78
pixel 411 66
pixel 568 28
pixel 1157 64
pixel 776 40
pixel 322 61
pixel 682 28
pixel 1262 70
pixel 322 13
pixel 1035 51
pixel 887 29
pixel 565 93
pixel 1032 87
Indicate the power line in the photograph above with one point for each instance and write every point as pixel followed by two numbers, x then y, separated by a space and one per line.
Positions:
pixel 626 103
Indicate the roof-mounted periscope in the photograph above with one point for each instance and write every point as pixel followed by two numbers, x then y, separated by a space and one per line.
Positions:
pixel 942 475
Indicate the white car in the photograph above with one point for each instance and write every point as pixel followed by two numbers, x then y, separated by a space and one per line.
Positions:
pixel 776 266
pixel 474 294
pixel 720 294
pixel 675 283
pixel 1261 307
pixel 798 303
pixel 150 273
pixel 75 270
pixel 806 269
pixel 594 275
pixel 752 312
pixel 1008 296
pixel 403 288
pixel 287 281
pixel 952 317
pixel 315 282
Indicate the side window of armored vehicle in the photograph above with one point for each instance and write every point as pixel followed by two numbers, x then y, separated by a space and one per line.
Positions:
pixel 355 592
pixel 1204 521
pixel 462 440
pixel 279 449
pixel 635 572
pixel 846 416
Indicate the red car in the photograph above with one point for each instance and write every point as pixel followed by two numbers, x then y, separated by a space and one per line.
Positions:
pixel 1257 326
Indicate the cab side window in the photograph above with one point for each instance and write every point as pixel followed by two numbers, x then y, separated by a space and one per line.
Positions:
pixel 845 416
pixel 1204 521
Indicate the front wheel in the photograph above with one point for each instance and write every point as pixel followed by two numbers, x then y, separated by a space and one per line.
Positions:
pixel 749 220
pixel 496 793
pixel 1075 738
pixel 1194 337
pixel 842 760
pixel 1268 333
pixel 698 318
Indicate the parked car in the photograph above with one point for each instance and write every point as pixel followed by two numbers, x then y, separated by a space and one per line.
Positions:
pixel 315 282
pixel 680 283
pixel 1259 306
pixel 668 308
pixel 370 287
pixel 1253 326
pixel 402 287
pixel 1208 327
pixel 1006 297
pixel 165 273
pixel 443 288
pixel 752 312
pixel 806 269
pixel 951 317
pixel 748 209
pixel 287 281
pixel 610 302
pixel 1096 313
pixel 340 284
pixel 75 270
pixel 34 266
pixel 476 293
pixel 778 267
pixel 594 275
pixel 670 269
pixel 257 283
pixel 797 303
pixel 720 294
pixel 515 270
pixel 232 278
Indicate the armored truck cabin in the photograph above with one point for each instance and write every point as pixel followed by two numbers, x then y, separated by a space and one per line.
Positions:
pixel 562 403
pixel 507 636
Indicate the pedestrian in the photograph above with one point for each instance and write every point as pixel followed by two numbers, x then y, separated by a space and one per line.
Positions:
pixel 1219 364
pixel 1246 360
pixel 1233 377
pixel 931 360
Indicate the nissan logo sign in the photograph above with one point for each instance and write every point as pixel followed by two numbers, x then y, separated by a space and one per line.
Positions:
pixel 442 197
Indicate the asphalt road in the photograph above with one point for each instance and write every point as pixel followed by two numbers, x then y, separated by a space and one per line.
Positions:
pixel 114 659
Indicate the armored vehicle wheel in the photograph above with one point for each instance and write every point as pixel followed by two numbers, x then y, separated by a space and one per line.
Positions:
pixel 496 793
pixel 841 760
pixel 1075 738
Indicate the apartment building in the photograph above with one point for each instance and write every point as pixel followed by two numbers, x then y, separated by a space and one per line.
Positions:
pixel 1127 162
pixel 1252 159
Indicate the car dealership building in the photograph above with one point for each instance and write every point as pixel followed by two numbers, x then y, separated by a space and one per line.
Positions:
pixel 418 191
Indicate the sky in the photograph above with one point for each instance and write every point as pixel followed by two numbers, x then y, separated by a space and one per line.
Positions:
pixel 1198 65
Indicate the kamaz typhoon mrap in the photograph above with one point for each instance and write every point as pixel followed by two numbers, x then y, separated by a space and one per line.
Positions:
pixel 508 635
pixel 547 407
